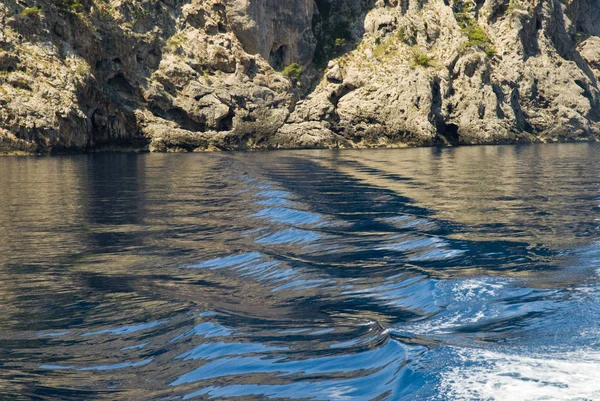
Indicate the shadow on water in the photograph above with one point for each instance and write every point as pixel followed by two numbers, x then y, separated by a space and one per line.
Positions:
pixel 373 215
pixel 254 276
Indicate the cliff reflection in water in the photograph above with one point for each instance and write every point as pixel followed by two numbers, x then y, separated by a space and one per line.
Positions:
pixel 304 275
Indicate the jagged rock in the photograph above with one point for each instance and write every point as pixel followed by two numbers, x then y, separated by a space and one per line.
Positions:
pixel 335 74
pixel 205 74
pixel 590 51
pixel 8 61
pixel 10 144
pixel 307 135
pixel 279 30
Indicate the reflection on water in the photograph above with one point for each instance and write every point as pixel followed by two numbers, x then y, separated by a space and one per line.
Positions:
pixel 423 274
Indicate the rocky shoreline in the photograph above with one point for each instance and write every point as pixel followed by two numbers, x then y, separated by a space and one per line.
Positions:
pixel 183 146
pixel 204 75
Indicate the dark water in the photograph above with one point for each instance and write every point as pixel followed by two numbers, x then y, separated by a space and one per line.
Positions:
pixel 455 274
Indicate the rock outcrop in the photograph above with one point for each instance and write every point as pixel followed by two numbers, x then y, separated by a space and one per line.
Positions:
pixel 194 75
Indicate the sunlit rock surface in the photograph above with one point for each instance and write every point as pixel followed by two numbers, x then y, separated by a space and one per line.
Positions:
pixel 201 75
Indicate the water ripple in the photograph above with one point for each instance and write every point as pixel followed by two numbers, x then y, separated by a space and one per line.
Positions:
pixel 421 275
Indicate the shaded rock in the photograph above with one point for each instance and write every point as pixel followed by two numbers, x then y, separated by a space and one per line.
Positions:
pixel 8 61
pixel 206 74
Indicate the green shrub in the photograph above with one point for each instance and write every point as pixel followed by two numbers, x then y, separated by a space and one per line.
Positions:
pixel 71 5
pixel 30 11
pixel 490 50
pixel 476 36
pixel 420 58
pixel 82 68
pixel 516 7
pixel 340 42
pixel 175 41
pixel 75 5
pixel 383 48
pixel 463 19
pixel 292 71
pixel 401 34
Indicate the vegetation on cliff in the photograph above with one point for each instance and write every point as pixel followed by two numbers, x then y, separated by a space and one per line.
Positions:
pixel 201 75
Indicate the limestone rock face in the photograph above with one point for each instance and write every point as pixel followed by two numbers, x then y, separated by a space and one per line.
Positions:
pixel 279 30
pixel 590 52
pixel 110 74
pixel 196 75
pixel 466 73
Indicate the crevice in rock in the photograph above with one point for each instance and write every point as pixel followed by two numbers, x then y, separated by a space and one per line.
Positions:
pixel 586 91
pixel 520 117
pixel 499 101
pixel 452 75
pixel 279 57
pixel 122 85
pixel 226 123
pixel 478 5
pixel 594 102
pixel 529 36
pixel 180 117
pixel 499 11
pixel 335 97
pixel 435 116
pixel 481 111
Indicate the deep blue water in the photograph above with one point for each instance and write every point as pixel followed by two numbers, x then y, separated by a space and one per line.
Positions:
pixel 421 274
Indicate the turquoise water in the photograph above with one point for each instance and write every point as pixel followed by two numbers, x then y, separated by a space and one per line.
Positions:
pixel 420 274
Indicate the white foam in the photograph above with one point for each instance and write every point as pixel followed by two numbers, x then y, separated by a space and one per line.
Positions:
pixel 471 301
pixel 493 376
pixel 470 289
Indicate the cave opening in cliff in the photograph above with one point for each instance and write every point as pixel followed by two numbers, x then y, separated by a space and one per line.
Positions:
pixel 121 84
pixel 451 133
pixel 278 57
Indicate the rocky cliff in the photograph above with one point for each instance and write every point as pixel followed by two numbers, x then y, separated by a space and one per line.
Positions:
pixel 187 75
